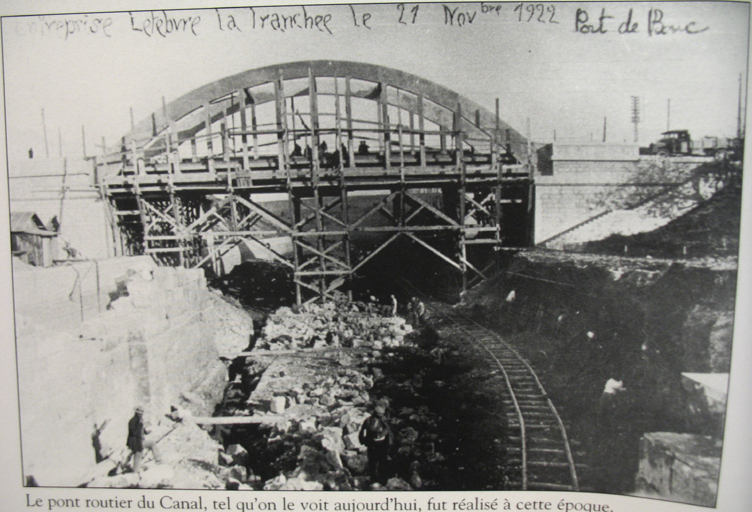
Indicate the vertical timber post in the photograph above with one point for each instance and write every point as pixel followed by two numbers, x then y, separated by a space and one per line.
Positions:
pixel 530 188
pixel 320 242
pixel 343 186
pixel 342 182
pixel 175 204
pixel 280 105
pixel 348 115
pixel 463 190
pixel 243 127
pixel 254 129
pixel 142 216
pixel 209 144
pixel 421 129
pixel 385 126
pixel 295 211
pixel 494 147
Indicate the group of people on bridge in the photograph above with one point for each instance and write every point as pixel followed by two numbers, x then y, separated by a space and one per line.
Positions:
pixel 327 159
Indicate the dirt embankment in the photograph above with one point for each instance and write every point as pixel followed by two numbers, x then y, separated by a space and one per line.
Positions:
pixel 582 320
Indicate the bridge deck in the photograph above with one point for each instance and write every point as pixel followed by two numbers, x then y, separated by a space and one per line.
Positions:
pixel 265 175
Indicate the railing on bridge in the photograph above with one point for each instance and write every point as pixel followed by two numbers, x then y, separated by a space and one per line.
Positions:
pixel 194 189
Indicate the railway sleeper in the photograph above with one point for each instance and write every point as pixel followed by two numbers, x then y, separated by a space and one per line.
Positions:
pixel 516 449
pixel 537 440
pixel 538 426
pixel 553 464
pixel 538 415
pixel 542 486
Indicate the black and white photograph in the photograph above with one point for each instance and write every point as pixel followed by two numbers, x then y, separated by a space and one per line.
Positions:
pixel 486 253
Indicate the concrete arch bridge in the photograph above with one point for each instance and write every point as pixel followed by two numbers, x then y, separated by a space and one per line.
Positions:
pixel 319 153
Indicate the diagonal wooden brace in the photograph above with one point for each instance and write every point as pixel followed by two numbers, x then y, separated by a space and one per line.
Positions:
pixel 373 210
pixel 432 209
pixel 266 214
pixel 435 251
pixel 375 252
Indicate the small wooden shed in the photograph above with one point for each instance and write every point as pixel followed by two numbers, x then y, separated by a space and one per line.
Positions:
pixel 31 241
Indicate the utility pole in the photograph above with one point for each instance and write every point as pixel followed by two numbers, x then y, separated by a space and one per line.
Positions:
pixel 83 139
pixel 636 116
pixel 529 147
pixel 739 128
pixel 668 115
pixel 44 129
pixel 605 119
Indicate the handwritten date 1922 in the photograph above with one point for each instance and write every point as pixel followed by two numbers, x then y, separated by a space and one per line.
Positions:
pixel 542 13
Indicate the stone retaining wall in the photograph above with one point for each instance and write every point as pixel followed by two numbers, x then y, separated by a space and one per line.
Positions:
pixel 574 182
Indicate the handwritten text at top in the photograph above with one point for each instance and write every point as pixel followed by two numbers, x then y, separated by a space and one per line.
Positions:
pixel 658 24
pixel 158 24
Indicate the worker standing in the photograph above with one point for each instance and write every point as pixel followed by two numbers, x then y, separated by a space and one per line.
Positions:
pixel 376 436
pixel 418 312
pixel 137 440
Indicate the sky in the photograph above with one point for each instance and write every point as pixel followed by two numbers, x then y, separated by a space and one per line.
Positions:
pixel 564 66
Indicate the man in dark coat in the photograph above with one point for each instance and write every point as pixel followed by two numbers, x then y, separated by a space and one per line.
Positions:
pixel 137 439
pixel 376 436
pixel 418 313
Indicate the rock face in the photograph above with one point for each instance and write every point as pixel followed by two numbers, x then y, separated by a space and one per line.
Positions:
pixel 188 460
pixel 650 319
pixel 680 467
pixel 721 337
pixel 232 327
pixel 157 344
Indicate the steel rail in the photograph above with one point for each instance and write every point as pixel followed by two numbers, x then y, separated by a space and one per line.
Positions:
pixel 518 410
pixel 524 434
pixel 525 462
pixel 535 414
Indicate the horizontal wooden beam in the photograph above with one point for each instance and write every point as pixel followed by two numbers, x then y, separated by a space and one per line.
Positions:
pixel 238 420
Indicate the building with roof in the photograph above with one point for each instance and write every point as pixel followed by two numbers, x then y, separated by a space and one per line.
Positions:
pixel 31 241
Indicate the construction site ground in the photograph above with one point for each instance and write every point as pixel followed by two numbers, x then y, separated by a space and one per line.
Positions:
pixel 579 318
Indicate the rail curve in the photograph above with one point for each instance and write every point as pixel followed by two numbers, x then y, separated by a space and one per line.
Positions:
pixel 538 444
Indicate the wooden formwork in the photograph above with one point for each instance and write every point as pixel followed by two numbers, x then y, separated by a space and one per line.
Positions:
pixel 189 185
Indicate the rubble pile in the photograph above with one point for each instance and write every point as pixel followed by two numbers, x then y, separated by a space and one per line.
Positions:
pixel 292 414
pixel 314 374
pixel 333 324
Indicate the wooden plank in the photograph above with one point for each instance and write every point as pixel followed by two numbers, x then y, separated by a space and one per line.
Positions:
pixel 348 115
pixel 323 273
pixel 243 128
pixel 164 249
pixel 238 420
pixel 483 241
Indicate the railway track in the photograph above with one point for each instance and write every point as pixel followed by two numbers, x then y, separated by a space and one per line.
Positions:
pixel 539 452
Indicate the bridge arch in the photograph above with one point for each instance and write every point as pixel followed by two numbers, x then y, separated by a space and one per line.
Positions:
pixel 405 98
pixel 193 180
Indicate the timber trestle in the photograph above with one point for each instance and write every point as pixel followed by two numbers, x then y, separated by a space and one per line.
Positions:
pixel 302 159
